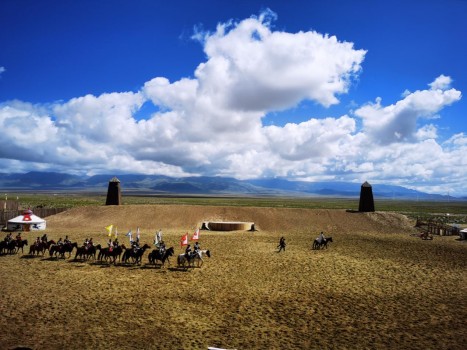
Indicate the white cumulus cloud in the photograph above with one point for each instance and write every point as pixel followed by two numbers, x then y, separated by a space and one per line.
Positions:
pixel 212 123
pixel 398 122
pixel 252 68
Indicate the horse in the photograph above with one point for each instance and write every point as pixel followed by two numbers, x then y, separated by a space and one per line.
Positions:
pixel 10 247
pixel 182 259
pixel 103 254
pixel 136 256
pixel 62 249
pixel 116 253
pixel 21 244
pixel 106 253
pixel 35 249
pixel 324 244
pixel 156 255
pixel 68 248
pixel 199 256
pixel 40 247
pixel 87 252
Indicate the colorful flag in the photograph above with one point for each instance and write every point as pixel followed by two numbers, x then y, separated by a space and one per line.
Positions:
pixel 195 236
pixel 157 238
pixel 129 234
pixel 184 240
pixel 109 229
pixel 116 232
pixel 156 241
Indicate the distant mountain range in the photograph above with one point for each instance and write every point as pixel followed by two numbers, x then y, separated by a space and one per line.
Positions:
pixel 203 185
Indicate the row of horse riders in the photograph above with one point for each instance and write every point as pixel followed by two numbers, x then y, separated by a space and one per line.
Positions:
pixel 113 252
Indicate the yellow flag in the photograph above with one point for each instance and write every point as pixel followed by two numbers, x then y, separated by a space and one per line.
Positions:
pixel 109 229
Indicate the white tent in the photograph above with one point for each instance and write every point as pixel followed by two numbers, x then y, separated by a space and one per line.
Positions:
pixel 26 222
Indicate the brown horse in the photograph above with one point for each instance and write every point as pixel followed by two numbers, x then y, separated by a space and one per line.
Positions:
pixel 116 253
pixel 321 245
pixel 40 247
pixel 10 247
pixel 20 244
pixel 106 253
pixel 135 255
pixel 87 252
pixel 156 255
pixel 60 250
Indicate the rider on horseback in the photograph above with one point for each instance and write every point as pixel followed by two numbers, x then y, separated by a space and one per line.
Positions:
pixel 196 248
pixel 44 238
pixel 188 252
pixel 8 238
pixel 18 237
pixel 321 238
pixel 60 242
pixel 66 240
pixel 38 241
pixel 110 244
pixel 162 247
pixel 135 245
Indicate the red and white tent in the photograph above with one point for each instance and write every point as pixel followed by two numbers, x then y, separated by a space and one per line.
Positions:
pixel 26 222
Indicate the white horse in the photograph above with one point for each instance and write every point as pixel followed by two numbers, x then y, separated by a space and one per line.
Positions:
pixel 182 260
pixel 199 256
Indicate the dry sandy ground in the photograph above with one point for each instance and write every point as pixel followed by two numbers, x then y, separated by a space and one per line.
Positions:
pixel 376 287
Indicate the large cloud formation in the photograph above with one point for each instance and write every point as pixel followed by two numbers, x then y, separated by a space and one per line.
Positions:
pixel 211 124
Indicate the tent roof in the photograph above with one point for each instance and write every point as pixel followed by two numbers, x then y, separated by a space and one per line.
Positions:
pixel 26 219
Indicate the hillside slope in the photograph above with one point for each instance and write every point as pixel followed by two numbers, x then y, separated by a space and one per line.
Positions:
pixel 184 217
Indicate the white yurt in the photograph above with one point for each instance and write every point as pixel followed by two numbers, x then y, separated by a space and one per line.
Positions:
pixel 26 222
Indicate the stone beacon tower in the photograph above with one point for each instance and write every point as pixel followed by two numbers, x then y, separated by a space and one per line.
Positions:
pixel 114 195
pixel 366 198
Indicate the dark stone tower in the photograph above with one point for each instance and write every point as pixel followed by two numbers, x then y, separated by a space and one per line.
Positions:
pixel 114 196
pixel 366 198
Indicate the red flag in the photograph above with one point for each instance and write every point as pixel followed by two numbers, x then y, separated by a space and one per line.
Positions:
pixel 195 235
pixel 184 240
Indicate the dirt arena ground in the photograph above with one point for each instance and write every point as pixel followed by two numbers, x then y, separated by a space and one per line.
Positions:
pixel 376 287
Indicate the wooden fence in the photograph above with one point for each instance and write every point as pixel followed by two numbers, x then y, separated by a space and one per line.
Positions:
pixel 436 228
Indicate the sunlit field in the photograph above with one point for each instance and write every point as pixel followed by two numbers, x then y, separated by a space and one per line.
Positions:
pixel 411 208
pixel 377 286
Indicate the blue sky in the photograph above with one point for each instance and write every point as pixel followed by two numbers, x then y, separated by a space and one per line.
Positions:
pixel 307 90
